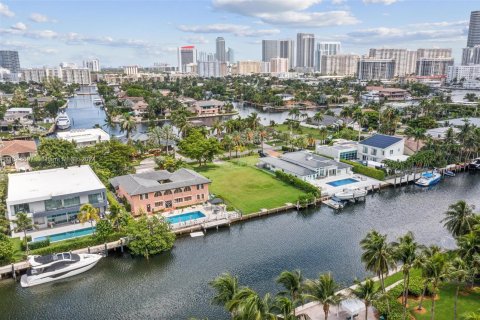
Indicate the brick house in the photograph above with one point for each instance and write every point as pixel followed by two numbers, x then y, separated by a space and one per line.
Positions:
pixel 161 190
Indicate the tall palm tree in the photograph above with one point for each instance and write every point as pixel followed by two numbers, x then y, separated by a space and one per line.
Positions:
pixel 217 128
pixel 318 118
pixel 459 273
pixel 378 255
pixel 253 121
pixel 323 291
pixel 459 218
pixel 88 213
pixel 361 120
pixel 247 304
pixel 262 134
pixel 227 144
pixel 437 272
pixel 368 291
pixel 285 307
pixel 237 142
pixel 417 134
pixel 292 282
pixel 127 125
pixel 226 287
pixel 422 264
pixel 23 223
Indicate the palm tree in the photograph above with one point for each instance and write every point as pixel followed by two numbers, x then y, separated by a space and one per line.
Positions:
pixel 421 263
pixel 88 213
pixel 367 290
pixel 292 282
pixel 285 307
pixel 459 273
pixel 23 223
pixel 436 267
pixel 227 144
pixel 318 118
pixel 247 304
pixel 253 121
pixel 237 142
pixel 361 120
pixel 323 291
pixel 262 134
pixel 471 316
pixel 459 218
pixel 417 134
pixel 226 287
pixel 377 255
pixel 127 125
pixel 217 127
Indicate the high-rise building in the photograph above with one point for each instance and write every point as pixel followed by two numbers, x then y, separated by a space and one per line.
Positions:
pixel 270 50
pixel 248 67
pixel 67 75
pixel 376 69
pixel 130 70
pixel 220 49
pixel 187 55
pixel 92 65
pixel 434 53
pixel 305 51
pixel 463 73
pixel 411 64
pixel 279 65
pixel 430 67
pixel 230 55
pixel 399 55
pixel 471 56
pixel 325 49
pixel 208 69
pixel 9 60
pixel 474 29
pixel 287 50
pixel 340 65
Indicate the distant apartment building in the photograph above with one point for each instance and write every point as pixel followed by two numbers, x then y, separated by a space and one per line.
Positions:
pixel 287 51
pixel 340 65
pixel 92 65
pixel 404 59
pixel 54 196
pixel 9 60
pixel 434 53
pixel 208 69
pixel 474 29
pixel 151 192
pixel 76 75
pixel 463 73
pixel 230 55
pixel 220 52
pixel 130 70
pixel 270 50
pixel 278 65
pixel 249 67
pixel 376 69
pixel 430 67
pixel 325 49
pixel 471 55
pixel 187 57
pixel 305 52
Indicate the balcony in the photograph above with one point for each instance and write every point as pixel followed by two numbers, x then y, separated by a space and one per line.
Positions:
pixel 46 213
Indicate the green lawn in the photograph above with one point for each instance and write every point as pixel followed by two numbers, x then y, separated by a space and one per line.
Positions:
pixel 444 305
pixel 301 130
pixel 399 276
pixel 247 188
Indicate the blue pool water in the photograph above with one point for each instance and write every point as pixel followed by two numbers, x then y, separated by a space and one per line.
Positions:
pixel 186 217
pixel 342 182
pixel 68 235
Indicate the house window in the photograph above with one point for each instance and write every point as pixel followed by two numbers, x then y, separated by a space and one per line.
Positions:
pixel 71 202
pixel 187 199
pixel 158 204
pixel 178 200
pixel 157 194
pixel 95 198
pixel 148 208
pixel 178 190
pixel 187 189
pixel 203 196
pixel 365 150
pixel 198 197
pixel 391 152
pixel 198 187
pixel 167 192
pixel 383 152
pixel 374 152
pixel 52 204
pixel 23 207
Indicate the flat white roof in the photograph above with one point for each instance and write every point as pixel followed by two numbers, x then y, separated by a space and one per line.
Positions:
pixel 84 135
pixel 44 184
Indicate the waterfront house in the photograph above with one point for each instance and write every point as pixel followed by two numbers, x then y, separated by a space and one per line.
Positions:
pixel 84 137
pixel 459 122
pixel 341 149
pixel 305 165
pixel 380 147
pixel 390 94
pixel 208 107
pixel 17 152
pixel 161 190
pixel 440 133
pixel 140 108
pixel 53 197
pixel 22 115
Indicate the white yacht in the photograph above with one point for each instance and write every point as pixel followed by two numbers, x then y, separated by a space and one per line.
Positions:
pixel 62 121
pixel 57 266
pixel 475 164
pixel 429 179
pixel 348 194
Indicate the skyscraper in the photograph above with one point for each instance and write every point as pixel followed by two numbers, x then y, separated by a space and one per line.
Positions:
pixel 186 55
pixel 270 50
pixel 471 56
pixel 305 51
pixel 325 49
pixel 230 55
pixel 474 29
pixel 92 65
pixel 287 51
pixel 10 61
pixel 220 52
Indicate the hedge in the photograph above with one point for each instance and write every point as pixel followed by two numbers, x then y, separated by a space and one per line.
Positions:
pixel 298 183
pixel 74 244
pixel 36 244
pixel 366 171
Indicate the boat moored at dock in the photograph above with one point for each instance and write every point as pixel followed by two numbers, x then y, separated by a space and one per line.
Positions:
pixel 63 121
pixel 429 179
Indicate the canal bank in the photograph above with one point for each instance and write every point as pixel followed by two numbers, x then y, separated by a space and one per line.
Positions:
pixel 174 285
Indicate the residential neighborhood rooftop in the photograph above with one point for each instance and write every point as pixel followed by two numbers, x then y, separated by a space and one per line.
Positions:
pixel 311 160
pixel 14 147
pixel 380 141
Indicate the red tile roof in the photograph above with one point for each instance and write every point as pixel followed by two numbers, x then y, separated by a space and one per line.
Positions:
pixel 14 147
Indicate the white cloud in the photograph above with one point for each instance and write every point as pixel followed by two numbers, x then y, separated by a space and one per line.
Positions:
pixel 34 34
pixel 310 19
pixel 5 11
pixel 235 29
pixel 441 24
pixel 196 39
pixel 254 7
pixel 39 18
pixel 338 1
pixel 19 26
pixel 385 2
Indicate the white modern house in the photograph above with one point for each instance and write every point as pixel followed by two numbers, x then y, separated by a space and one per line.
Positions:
pixel 341 149
pixel 23 115
pixel 53 197
pixel 84 137
pixel 380 147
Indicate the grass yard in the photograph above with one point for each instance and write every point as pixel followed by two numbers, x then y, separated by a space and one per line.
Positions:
pixel 301 130
pixel 467 302
pixel 246 188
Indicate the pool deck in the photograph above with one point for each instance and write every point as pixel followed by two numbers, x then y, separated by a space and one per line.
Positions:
pixel 55 230
pixel 363 183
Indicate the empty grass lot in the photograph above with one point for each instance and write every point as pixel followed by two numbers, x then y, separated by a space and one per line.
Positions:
pixel 246 188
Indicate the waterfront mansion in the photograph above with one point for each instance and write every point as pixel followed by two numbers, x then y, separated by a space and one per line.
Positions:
pixel 161 190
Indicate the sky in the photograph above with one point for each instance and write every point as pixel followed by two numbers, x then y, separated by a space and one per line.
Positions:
pixel 121 32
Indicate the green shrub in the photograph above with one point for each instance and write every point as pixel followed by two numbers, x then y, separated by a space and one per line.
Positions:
pixel 297 183
pixel 366 171
pixel 36 244
pixel 396 308
pixel 6 249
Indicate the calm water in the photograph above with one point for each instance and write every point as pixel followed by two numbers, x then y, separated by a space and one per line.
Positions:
pixel 175 285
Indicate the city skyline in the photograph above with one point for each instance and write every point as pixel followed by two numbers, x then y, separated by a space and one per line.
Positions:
pixel 47 33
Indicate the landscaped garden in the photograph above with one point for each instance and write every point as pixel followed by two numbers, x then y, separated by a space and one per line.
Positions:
pixel 246 188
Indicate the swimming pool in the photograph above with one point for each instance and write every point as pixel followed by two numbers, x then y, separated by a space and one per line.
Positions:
pixel 185 217
pixel 68 235
pixel 342 182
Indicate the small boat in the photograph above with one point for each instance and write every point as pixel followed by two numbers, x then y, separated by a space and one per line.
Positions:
pixel 475 164
pixel 98 101
pixel 449 173
pixel 428 179
pixel 348 194
pixel 57 266
pixel 62 121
